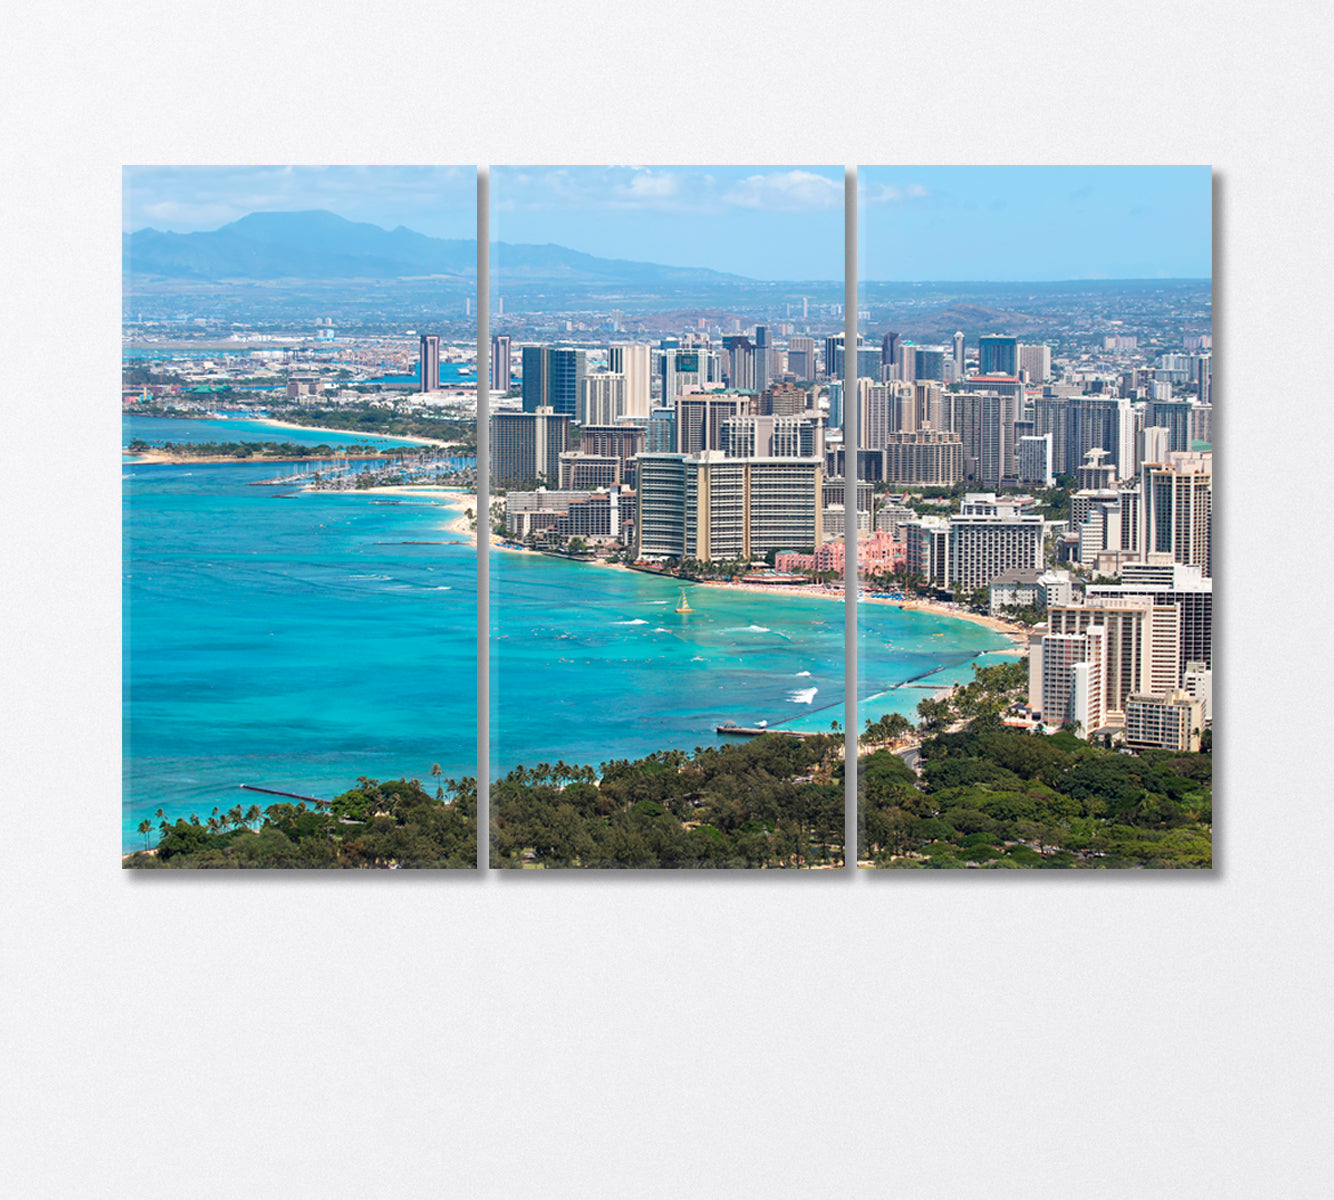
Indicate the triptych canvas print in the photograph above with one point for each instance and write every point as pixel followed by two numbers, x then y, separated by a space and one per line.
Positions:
pixel 651 545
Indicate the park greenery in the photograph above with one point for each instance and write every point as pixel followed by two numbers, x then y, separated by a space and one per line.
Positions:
pixel 396 823
pixel 994 797
pixel 775 801
pixel 986 795
pixel 254 450
pixel 382 422
pixel 981 795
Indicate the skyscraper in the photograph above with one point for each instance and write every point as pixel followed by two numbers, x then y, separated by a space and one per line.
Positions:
pixel 700 417
pixel 998 355
pixel 740 363
pixel 929 362
pixel 781 400
pixel 761 357
pixel 526 447
pixel 682 368
pixel 1036 360
pixel 833 355
pixel 500 363
pixel 429 374
pixel 631 359
pixel 1176 509
pixel 708 506
pixel 1106 423
pixel 801 357
pixel 551 379
pixel 601 398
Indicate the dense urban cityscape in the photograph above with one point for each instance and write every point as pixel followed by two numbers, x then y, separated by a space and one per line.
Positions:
pixel 1070 491
pixel 671 509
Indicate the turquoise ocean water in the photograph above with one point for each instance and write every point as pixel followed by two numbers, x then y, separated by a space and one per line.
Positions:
pixel 298 640
pixel 290 641
pixel 590 663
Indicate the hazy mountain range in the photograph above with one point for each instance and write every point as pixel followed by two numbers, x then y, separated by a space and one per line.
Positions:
pixel 321 245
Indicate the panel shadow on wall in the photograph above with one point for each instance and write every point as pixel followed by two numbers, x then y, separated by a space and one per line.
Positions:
pixel 1036 396
pixel 299 587
pixel 662 497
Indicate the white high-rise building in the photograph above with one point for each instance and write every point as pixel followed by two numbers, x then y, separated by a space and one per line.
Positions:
pixel 601 398
pixel 1036 362
pixel 1034 461
pixel 1176 509
pixel 632 360
pixel 1131 645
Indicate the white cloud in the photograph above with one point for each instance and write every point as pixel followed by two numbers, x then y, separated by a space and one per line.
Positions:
pixel 648 187
pixel 184 215
pixel 192 198
pixel 786 191
pixel 888 193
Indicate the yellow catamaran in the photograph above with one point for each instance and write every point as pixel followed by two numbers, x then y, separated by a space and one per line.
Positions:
pixel 683 607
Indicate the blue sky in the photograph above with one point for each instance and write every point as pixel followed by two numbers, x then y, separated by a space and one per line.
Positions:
pixel 1034 223
pixel 438 201
pixel 915 223
pixel 762 222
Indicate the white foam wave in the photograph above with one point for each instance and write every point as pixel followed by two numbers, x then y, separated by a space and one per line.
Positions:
pixel 802 696
pixel 636 621
pixel 803 675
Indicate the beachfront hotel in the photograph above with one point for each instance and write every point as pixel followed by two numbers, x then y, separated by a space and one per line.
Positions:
pixel 708 506
pixel 526 447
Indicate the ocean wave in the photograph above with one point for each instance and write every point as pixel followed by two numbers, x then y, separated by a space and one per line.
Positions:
pixel 803 675
pixel 750 629
pixel 635 621
pixel 802 696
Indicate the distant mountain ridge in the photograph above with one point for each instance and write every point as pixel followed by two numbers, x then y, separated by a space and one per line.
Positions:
pixel 320 245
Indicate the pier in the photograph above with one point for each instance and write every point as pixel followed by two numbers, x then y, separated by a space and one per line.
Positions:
pixel 734 730
pixel 250 787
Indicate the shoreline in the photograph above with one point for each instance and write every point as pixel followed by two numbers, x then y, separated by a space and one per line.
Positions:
pixel 150 457
pixel 361 433
pixel 459 525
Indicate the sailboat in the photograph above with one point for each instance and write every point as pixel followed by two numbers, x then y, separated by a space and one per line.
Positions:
pixel 683 607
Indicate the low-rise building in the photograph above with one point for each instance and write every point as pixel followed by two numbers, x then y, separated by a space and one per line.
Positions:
pixel 1174 721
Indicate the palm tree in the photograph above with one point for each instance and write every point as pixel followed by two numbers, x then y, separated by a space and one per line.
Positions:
pixel 144 827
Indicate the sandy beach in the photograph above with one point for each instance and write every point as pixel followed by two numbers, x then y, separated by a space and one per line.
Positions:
pixel 361 433
pixel 461 524
pixel 1009 628
pixel 462 502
